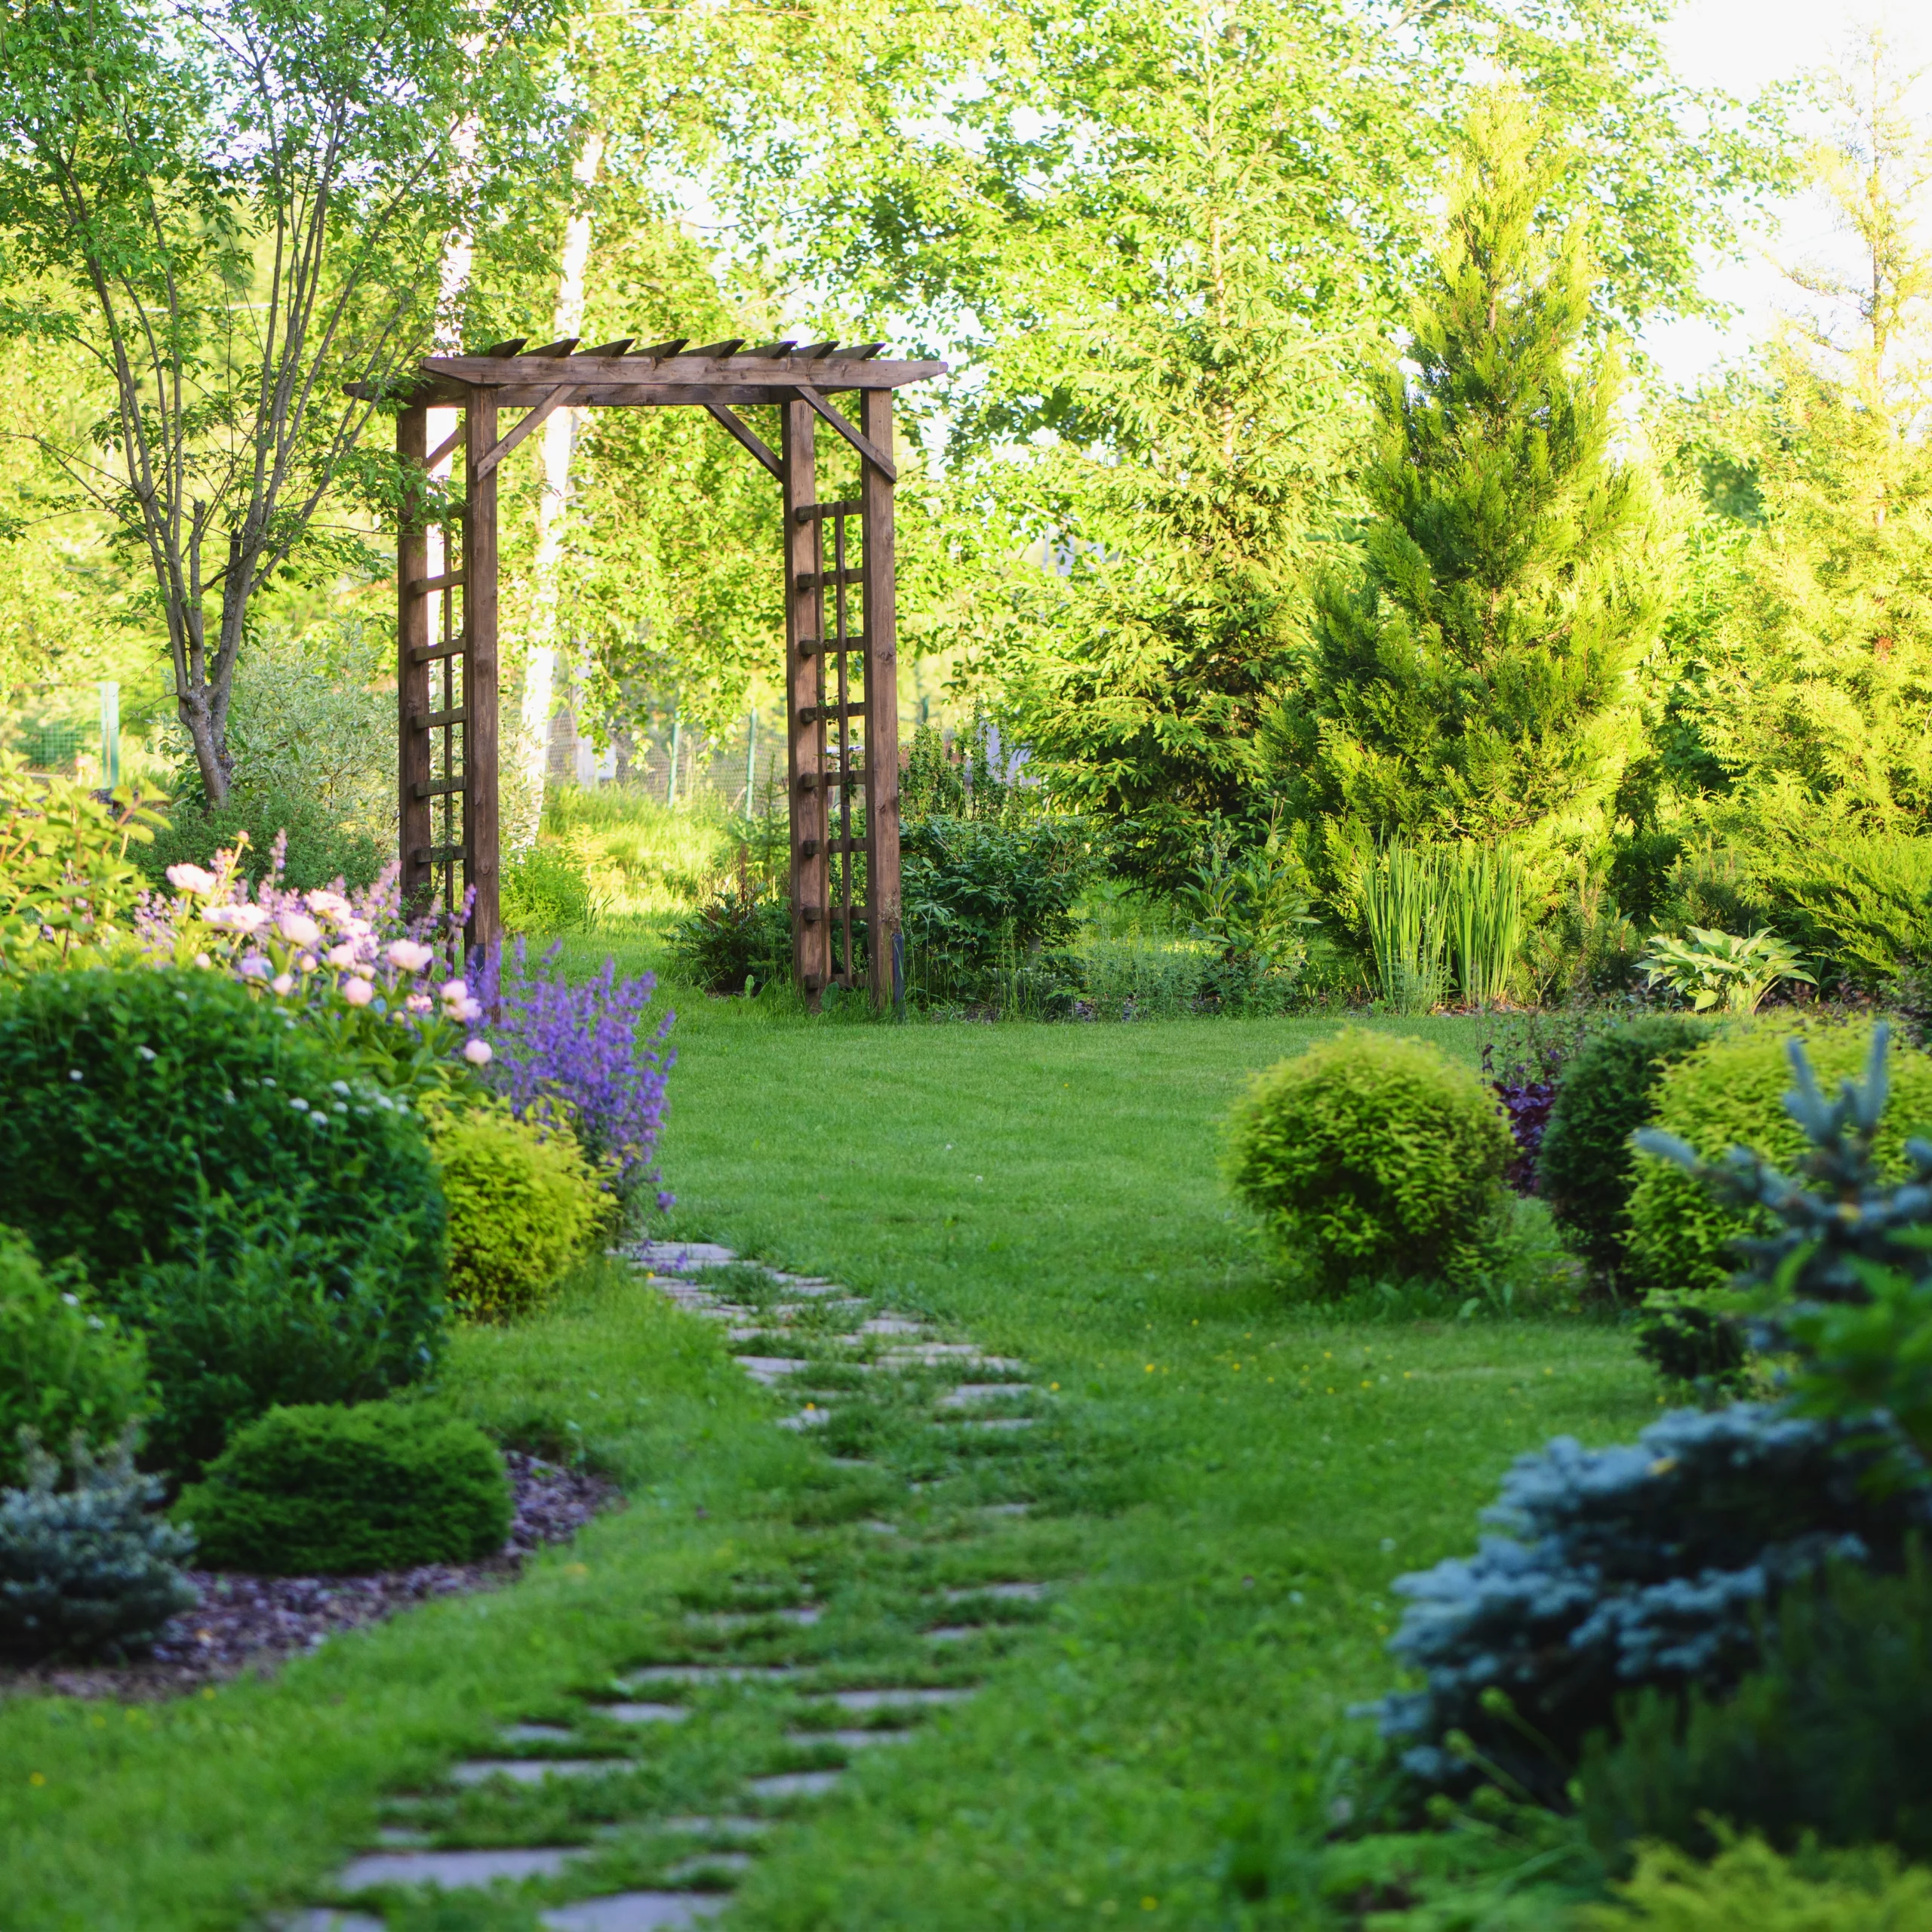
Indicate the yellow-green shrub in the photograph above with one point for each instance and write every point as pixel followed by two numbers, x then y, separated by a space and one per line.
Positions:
pixel 1372 1155
pixel 1748 1887
pixel 523 1204
pixel 1730 1093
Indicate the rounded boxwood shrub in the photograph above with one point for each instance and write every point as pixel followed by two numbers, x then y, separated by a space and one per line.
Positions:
pixel 1730 1093
pixel 271 1223
pixel 64 1366
pixel 523 1204
pixel 1586 1166
pixel 1372 1155
pixel 321 1491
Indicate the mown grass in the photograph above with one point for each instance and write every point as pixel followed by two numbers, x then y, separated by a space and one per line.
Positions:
pixel 1230 1483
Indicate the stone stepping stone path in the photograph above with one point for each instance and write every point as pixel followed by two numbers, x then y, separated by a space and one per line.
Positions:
pixel 934 1434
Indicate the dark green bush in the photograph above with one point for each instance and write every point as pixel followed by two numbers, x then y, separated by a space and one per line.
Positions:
pixel 1373 1155
pixel 273 1225
pixel 1731 1093
pixel 318 1491
pixel 64 1367
pixel 1586 1166
pixel 320 850
pixel 1689 1343
pixel 735 937
pixel 87 1570
pixel 1826 1737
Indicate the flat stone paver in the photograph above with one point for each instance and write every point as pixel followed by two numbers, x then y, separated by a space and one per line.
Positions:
pixel 636 1911
pixel 812 1418
pixel 965 1394
pixel 955 1633
pixel 535 1733
pixel 712 1673
pixel 534 1770
pixel 700 1862
pixel 990 1424
pixel 681 1258
pixel 895 1700
pixel 644 1713
pixel 326 1918
pixel 769 1368
pixel 1005 1509
pixel 892 1324
pixel 851 1739
pixel 725 1825
pixel 1004 1592
pixel 451 1870
pixel 803 1615
pixel 793 1784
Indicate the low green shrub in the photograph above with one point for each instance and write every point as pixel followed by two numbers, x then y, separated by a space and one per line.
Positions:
pixel 323 1490
pixel 1748 1887
pixel 1690 1343
pixel 1825 1739
pixel 320 849
pixel 1373 1155
pixel 271 1224
pixel 737 939
pixel 1731 1094
pixel 63 1366
pixel 1586 1166
pixel 87 1570
pixel 523 1204
pixel 547 890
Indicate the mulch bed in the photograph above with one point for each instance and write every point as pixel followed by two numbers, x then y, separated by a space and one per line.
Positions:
pixel 253 1622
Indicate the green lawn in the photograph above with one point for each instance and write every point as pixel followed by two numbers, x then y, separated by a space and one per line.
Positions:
pixel 1228 1486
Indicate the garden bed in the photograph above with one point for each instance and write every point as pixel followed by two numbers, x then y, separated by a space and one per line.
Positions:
pixel 244 1623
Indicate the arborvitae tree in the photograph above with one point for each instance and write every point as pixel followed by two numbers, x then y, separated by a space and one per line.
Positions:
pixel 1816 691
pixel 1468 678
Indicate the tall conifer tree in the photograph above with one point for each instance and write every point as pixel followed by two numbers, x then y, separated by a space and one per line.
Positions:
pixel 1468 679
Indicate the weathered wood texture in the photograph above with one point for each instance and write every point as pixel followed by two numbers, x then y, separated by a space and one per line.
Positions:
pixel 412 683
pixel 480 736
pixel 884 936
pixel 804 735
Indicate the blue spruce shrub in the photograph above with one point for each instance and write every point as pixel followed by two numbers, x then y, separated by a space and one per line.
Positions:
pixel 1649 1564
pixel 88 1571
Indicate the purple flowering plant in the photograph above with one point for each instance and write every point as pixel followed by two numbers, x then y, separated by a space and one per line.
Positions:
pixel 579 1052
pixel 387 991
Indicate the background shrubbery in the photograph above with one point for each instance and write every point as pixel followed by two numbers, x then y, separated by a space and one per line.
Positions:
pixel 272 1223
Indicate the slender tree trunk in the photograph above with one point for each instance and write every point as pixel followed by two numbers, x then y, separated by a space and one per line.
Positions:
pixel 559 444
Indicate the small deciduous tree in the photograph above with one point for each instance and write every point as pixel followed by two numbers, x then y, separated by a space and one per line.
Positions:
pixel 236 207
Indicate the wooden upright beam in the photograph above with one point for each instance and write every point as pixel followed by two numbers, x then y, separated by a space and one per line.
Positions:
pixel 485 930
pixel 804 736
pixel 412 682
pixel 884 939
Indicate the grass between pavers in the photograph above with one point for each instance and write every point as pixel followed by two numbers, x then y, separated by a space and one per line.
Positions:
pixel 1229 1526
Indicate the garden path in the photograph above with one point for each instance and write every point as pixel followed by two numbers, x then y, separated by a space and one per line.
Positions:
pixel 922 1574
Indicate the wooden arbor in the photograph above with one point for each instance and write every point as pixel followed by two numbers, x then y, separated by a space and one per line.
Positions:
pixel 840 619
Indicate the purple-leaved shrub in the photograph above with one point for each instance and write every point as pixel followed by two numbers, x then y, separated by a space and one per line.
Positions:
pixel 579 1050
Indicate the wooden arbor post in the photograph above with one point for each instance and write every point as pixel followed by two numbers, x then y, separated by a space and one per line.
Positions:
pixel 841 667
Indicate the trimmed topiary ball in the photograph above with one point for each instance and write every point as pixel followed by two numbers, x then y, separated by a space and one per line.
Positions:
pixel 1371 1156
pixel 269 1222
pixel 523 1205
pixel 1586 1167
pixel 320 1491
pixel 1729 1094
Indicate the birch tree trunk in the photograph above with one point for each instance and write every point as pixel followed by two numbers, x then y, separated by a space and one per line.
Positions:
pixel 540 674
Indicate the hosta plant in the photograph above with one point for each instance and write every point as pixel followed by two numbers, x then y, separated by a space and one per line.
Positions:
pixel 1713 969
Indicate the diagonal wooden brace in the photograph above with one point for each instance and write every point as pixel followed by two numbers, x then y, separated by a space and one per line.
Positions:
pixel 857 437
pixel 567 392
pixel 742 431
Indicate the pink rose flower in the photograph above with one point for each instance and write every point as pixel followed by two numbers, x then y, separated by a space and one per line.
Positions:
pixel 284 984
pixel 409 956
pixel 298 928
pixel 235 919
pixel 358 993
pixel 331 905
pixel 478 1053
pixel 191 879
